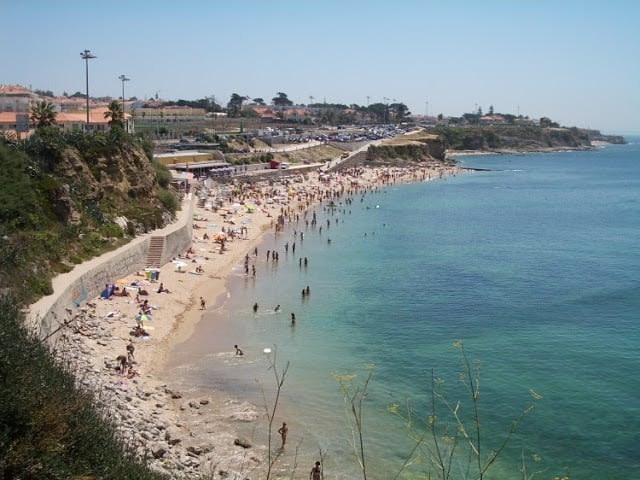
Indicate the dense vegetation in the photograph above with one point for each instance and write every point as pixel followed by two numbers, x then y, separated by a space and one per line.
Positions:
pixel 511 137
pixel 49 428
pixel 59 197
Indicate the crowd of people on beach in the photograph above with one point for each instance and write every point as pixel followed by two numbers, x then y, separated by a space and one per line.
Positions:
pixel 336 199
pixel 295 211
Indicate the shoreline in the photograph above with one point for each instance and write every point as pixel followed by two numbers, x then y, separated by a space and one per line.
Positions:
pixel 183 433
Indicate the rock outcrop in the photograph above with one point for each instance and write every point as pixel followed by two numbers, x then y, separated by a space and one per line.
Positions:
pixel 415 148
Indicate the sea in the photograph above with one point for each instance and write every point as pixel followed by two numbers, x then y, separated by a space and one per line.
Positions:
pixel 509 293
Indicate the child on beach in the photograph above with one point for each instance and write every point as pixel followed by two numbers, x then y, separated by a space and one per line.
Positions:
pixel 130 349
pixel 122 368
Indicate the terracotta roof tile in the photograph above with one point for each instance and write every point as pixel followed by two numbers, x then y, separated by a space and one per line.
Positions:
pixel 13 89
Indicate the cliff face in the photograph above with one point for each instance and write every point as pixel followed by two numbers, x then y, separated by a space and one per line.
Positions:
pixel 418 147
pixel 596 136
pixel 67 198
pixel 114 181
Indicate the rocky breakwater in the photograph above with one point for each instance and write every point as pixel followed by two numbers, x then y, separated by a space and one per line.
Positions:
pixel 179 435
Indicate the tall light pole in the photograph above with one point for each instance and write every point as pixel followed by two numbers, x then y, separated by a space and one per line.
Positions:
pixel 123 78
pixel 86 56
pixel 386 108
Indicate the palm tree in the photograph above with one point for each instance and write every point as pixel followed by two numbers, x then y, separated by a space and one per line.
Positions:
pixel 115 114
pixel 43 114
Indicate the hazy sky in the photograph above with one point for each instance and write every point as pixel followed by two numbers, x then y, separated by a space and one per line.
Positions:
pixel 577 62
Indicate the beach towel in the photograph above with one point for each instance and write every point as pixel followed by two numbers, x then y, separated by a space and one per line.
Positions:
pixel 108 291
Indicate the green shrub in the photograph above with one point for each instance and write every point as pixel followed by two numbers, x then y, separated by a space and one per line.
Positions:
pixel 169 200
pixel 49 428
pixel 111 230
pixel 163 175
pixel 147 146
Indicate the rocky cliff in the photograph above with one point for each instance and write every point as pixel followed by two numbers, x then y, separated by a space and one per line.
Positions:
pixel 415 147
pixel 65 198
pixel 121 182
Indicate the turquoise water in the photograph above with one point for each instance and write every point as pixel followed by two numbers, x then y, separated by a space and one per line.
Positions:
pixel 533 265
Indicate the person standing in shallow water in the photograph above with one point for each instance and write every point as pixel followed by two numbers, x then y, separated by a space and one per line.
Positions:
pixel 316 472
pixel 283 431
pixel 255 307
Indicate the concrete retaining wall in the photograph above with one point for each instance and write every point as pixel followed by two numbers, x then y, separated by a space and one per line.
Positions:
pixel 85 282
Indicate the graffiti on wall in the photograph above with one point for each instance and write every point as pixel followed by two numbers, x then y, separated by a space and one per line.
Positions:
pixel 91 284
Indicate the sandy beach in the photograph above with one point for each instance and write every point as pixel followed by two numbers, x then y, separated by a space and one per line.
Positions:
pixel 179 432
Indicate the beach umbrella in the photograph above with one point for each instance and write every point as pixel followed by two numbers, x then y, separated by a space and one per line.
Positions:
pixel 141 318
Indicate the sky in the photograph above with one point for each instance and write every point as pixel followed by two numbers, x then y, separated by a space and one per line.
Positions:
pixel 577 62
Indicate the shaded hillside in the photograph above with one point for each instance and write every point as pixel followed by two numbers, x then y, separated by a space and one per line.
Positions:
pixel 65 198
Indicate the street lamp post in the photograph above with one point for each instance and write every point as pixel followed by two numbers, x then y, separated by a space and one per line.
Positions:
pixel 123 78
pixel 86 56
pixel 386 108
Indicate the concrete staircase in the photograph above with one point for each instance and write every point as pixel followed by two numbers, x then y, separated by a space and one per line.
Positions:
pixel 154 255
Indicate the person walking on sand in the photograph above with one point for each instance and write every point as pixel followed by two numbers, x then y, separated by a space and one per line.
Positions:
pixel 283 430
pixel 202 304
pixel 316 472
pixel 130 350
pixel 122 360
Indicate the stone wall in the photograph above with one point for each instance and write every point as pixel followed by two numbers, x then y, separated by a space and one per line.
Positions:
pixel 85 282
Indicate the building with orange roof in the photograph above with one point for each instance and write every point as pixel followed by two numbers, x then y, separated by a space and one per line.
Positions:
pixel 16 98
pixel 264 112
pixel 16 102
pixel 20 122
